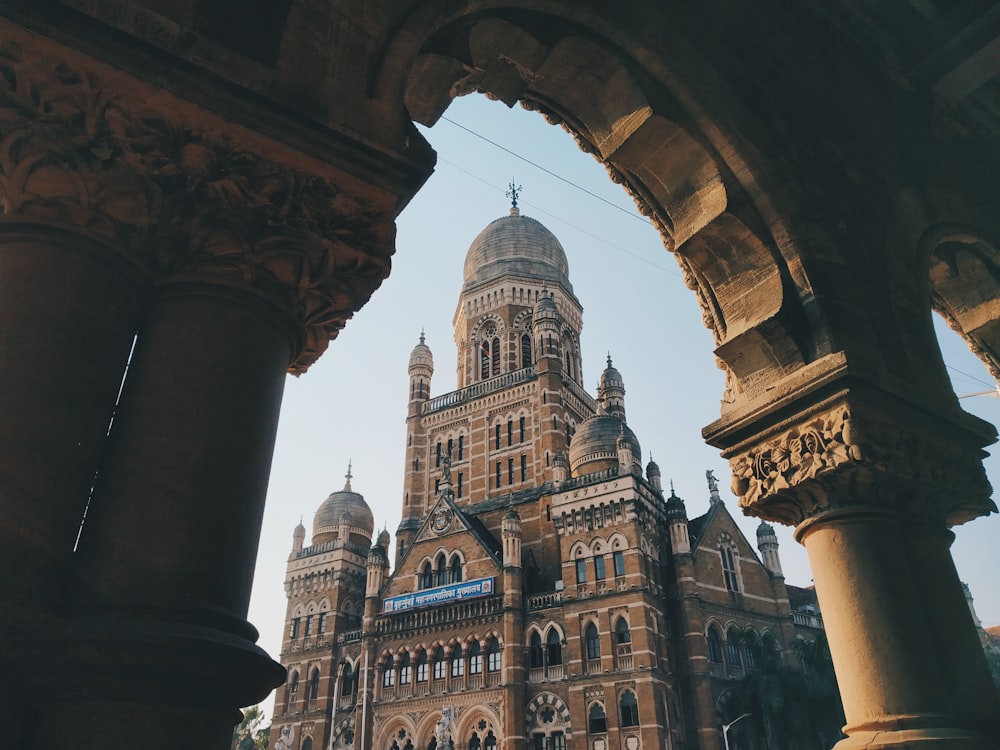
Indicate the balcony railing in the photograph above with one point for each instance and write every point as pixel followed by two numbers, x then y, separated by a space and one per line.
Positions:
pixel 478 389
pixel 441 615
pixel 808 621
pixel 594 666
pixel 546 600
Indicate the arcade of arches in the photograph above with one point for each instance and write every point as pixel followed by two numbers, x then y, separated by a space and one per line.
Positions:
pixel 218 182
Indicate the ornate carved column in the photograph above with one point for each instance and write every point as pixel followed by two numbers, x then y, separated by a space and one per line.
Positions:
pixel 852 467
pixel 233 259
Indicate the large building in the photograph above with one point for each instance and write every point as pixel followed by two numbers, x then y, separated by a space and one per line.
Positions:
pixel 547 592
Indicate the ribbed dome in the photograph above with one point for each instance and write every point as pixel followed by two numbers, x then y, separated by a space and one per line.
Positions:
pixel 516 245
pixel 595 444
pixel 327 519
pixel 421 355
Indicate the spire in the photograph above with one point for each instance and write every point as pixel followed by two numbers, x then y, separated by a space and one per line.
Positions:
pixel 512 193
pixel 347 476
pixel 421 335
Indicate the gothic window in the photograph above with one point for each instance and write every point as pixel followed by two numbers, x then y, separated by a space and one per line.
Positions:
pixel 622 633
pixel 450 445
pixel 495 352
pixel 475 659
pixel 525 350
pixel 347 682
pixel 388 673
pixel 439 664
pixel 628 710
pixel 492 655
pixel 474 743
pixel 619 560
pixel 733 650
pixel 484 360
pixel 293 683
pixel 490 743
pixel 593 642
pixel 442 571
pixel 749 660
pixel 498 475
pixel 461 447
pixel 538 742
pixel 314 685
pixel 295 628
pixel 426 576
pixel 535 651
pixel 309 625
pixel 729 566
pixel 714 646
pixel 405 670
pixel 521 428
pixel 321 625
pixel 581 571
pixel 456 569
pixel 510 471
pixel 599 568
pixel 553 648
pixel 510 432
pixel 597 720
pixel 437 454
pixel 307 743
pixel 460 477
pixel 457 662
pixel 524 468
pixel 558 741
pixel 422 666
pixel 496 430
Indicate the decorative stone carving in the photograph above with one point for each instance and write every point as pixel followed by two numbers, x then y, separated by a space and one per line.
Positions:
pixel 180 200
pixel 837 456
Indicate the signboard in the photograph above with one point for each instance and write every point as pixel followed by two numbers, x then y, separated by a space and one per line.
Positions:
pixel 439 595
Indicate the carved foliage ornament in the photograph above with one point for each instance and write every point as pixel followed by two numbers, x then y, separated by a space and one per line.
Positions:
pixel 837 458
pixel 78 153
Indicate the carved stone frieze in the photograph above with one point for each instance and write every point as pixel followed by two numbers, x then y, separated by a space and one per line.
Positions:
pixel 847 455
pixel 180 198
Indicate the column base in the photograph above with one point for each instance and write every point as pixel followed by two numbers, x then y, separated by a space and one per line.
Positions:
pixel 900 732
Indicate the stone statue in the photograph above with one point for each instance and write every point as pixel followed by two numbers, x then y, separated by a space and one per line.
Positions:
pixel 446 468
pixel 442 730
pixel 713 483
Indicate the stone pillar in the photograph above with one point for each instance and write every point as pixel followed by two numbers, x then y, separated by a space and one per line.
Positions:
pixel 850 469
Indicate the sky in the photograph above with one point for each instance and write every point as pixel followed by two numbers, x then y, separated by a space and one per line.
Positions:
pixel 351 405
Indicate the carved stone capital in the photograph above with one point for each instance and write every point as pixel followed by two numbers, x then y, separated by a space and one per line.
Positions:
pixel 181 193
pixel 844 451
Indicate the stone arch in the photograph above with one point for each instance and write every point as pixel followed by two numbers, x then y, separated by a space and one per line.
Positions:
pixel 469 721
pixel 539 719
pixel 398 728
pixel 617 541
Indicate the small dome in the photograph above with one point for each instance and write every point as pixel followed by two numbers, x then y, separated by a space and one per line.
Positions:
pixel 328 516
pixel 516 245
pixel 300 531
pixel 765 529
pixel 595 444
pixel 421 355
pixel 652 468
pixel 383 539
pixel 611 377
pixel 545 307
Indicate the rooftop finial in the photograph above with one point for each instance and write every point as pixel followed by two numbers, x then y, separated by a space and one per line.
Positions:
pixel 421 335
pixel 672 488
pixel 512 192
pixel 348 475
pixel 609 359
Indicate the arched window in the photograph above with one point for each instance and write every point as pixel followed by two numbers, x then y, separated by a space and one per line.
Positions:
pixel 495 352
pixel 490 743
pixel 729 567
pixel 307 743
pixel 535 651
pixel 553 648
pixel 422 666
pixel 525 350
pixel 492 655
pixel 749 660
pixel 733 650
pixel 622 633
pixel 439 664
pixel 388 673
pixel 457 662
pixel 474 742
pixel 597 720
pixel 314 685
pixel 628 710
pixel 293 683
pixel 475 658
pixel 484 360
pixel 714 646
pixel 405 670
pixel 593 642
pixel 347 682
pixel 456 569
pixel 426 576
pixel 442 570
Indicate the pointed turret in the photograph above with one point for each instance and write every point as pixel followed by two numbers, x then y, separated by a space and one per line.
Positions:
pixel 626 461
pixel 421 370
pixel 653 475
pixel 546 321
pixel 298 538
pixel 767 543
pixel 680 541
pixel 511 533
pixel 611 391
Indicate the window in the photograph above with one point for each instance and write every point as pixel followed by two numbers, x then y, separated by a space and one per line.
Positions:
pixel 553 648
pixel 456 569
pixel 597 721
pixel 714 646
pixel 510 471
pixel 749 660
pixel 498 475
pixel 293 683
pixel 497 436
pixel 619 560
pixel 593 642
pixel 495 351
pixel 524 468
pixel 460 477
pixel 729 567
pixel 535 651
pixel 733 649
pixel 522 429
pixel 442 571
pixel 388 673
pixel 599 568
pixel 449 446
pixel 510 432
pixel 307 743
pixel 581 571
pixel 309 625
pixel 295 628
pixel 628 710
pixel 525 350
pixel 490 743
pixel 484 360
pixel 622 633
pixel 493 656
pixel 538 741
pixel 457 662
pixel 347 682
pixel 437 454
pixel 321 625
pixel 439 664
pixel 422 666
pixel 314 685
pixel 475 659
pixel 405 670
pixel 558 741
pixel 461 447
pixel 426 576
pixel 474 743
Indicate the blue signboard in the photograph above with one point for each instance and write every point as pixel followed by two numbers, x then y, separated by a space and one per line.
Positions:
pixel 439 595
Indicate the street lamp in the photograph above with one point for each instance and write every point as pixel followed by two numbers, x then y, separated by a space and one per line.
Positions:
pixel 725 728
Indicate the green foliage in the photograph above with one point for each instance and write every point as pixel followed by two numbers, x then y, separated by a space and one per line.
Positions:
pixel 791 708
pixel 248 734
pixel 993 659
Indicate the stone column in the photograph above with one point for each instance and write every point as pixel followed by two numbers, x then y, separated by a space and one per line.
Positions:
pixel 851 467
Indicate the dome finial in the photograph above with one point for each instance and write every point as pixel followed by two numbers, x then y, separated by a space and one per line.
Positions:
pixel 609 359
pixel 421 335
pixel 512 193
pixel 347 476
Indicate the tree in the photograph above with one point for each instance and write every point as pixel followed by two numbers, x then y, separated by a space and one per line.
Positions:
pixel 248 734
pixel 791 708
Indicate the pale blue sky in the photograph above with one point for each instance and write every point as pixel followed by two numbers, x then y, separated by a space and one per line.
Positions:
pixel 352 404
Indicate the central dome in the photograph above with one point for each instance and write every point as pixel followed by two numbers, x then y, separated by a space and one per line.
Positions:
pixel 518 246
pixel 594 446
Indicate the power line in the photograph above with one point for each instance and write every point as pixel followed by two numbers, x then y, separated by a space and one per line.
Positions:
pixel 971 377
